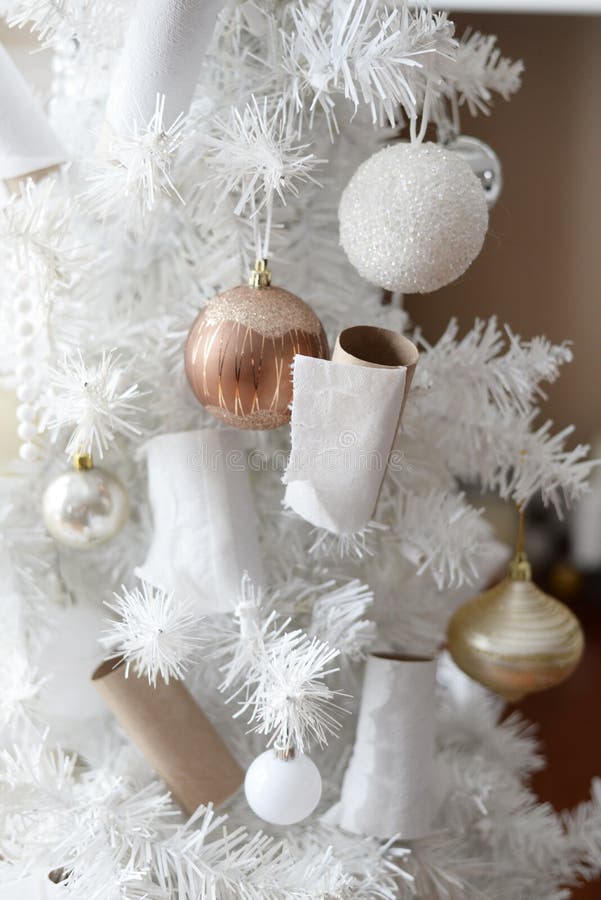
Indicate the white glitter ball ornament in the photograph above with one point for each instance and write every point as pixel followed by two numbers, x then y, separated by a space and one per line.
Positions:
pixel 413 218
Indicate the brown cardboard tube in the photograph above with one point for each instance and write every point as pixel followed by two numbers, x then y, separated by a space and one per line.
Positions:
pixel 174 735
pixel 13 185
pixel 379 348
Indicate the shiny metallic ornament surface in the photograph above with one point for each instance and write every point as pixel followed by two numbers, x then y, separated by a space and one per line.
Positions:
pixel 85 507
pixel 515 639
pixel 240 349
pixel 483 162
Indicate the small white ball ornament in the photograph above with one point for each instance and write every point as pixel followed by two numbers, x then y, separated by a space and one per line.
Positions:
pixel 84 507
pixel 484 163
pixel 282 791
pixel 413 217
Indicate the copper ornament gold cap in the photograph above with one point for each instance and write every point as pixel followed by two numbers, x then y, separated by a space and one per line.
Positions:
pixel 514 639
pixel 260 277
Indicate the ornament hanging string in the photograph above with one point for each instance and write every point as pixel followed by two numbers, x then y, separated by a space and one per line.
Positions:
pixel 519 546
pixel 418 137
pixel 262 241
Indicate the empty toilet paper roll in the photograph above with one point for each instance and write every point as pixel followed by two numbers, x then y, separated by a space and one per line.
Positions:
pixel 28 145
pixel 388 787
pixel 174 735
pixel 36 886
pixel 164 47
pixel 377 348
pixel 345 416
pixel 205 522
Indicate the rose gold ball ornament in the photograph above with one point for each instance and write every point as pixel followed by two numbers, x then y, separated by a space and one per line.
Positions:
pixel 240 349
pixel 515 639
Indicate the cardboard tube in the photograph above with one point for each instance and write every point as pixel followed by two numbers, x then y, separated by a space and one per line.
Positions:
pixel 377 348
pixel 174 735
pixel 13 185
pixel 205 522
pixel 345 416
pixel 28 145
pixel 164 48
pixel 388 787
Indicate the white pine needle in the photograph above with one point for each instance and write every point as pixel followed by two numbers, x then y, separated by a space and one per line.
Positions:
pixel 253 154
pixel 136 171
pixel 95 397
pixel 156 633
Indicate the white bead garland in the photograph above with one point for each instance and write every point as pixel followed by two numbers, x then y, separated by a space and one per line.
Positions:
pixel 27 388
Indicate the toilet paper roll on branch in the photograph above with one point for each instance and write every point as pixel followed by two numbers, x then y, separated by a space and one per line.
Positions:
pixel 174 735
pixel 205 521
pixel 345 416
pixel 388 788
pixel 28 145
pixel 164 48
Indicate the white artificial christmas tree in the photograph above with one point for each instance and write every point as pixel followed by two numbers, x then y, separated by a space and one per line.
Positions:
pixel 202 137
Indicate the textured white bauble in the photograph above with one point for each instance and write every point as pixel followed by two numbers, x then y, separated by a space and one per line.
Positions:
pixel 66 663
pixel 85 507
pixel 484 163
pixel 413 217
pixel 282 791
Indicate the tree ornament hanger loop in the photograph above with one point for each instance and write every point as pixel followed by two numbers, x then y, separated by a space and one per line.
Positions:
pixel 520 568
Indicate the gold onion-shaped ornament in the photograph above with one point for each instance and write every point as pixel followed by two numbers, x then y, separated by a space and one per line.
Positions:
pixel 514 639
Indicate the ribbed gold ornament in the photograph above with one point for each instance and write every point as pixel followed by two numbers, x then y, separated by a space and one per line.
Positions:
pixel 515 639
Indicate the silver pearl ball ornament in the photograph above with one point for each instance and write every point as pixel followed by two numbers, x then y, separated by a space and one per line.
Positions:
pixel 484 163
pixel 85 507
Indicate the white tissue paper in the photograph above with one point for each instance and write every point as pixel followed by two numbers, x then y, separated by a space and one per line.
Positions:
pixel 205 522
pixel 344 420
pixel 164 47
pixel 31 887
pixel 27 142
pixel 389 787
pixel 345 416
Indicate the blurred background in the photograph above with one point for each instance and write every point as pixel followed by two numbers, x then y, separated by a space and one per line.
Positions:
pixel 540 272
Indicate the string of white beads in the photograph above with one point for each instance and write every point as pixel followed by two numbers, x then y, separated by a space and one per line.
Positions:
pixel 27 388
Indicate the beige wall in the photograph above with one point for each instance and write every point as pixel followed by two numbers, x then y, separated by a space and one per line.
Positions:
pixel 540 270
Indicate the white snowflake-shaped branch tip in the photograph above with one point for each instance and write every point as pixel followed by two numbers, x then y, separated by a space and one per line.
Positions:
pixel 292 701
pixel 93 397
pixel 96 22
pixel 545 465
pixel 20 683
pixel 37 238
pixel 338 618
pixel 253 154
pixel 480 70
pixel 240 644
pixel 442 535
pixel 366 53
pixel 136 170
pixel 484 369
pixel 157 633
